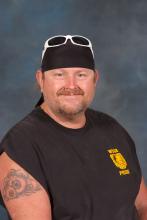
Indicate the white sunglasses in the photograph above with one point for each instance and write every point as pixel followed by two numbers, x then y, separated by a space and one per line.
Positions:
pixel 62 39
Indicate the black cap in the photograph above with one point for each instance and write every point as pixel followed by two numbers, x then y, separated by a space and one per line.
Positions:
pixel 67 55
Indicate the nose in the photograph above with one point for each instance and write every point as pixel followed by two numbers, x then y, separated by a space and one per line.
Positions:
pixel 71 81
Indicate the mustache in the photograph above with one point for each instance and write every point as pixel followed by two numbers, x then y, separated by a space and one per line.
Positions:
pixel 67 91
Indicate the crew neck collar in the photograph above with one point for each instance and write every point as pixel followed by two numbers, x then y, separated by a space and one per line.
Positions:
pixel 61 127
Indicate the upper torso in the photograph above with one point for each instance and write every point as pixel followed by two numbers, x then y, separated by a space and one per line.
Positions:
pixel 89 173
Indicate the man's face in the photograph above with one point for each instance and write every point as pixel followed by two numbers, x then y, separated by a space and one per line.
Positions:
pixel 68 91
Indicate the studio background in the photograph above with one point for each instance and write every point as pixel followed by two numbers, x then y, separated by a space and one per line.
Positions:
pixel 118 30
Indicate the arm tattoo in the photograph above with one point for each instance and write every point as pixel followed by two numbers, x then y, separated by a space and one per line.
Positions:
pixel 18 183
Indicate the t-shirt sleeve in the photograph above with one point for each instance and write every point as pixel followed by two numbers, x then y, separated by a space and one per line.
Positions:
pixel 22 150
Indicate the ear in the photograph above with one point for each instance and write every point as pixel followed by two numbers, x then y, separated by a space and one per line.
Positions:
pixel 96 76
pixel 39 78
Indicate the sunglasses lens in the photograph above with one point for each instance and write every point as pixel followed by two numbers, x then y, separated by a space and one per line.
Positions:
pixel 80 40
pixel 56 41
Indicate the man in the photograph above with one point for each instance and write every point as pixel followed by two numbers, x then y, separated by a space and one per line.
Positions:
pixel 64 160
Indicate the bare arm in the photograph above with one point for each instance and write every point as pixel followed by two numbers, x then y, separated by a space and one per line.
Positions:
pixel 24 197
pixel 141 201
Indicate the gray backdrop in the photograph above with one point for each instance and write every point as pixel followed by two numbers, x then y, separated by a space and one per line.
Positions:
pixel 118 30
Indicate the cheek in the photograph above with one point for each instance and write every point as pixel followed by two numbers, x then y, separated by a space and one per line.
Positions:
pixel 89 88
pixel 89 93
pixel 47 89
pixel 51 88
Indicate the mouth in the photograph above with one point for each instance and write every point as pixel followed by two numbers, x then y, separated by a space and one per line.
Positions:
pixel 71 94
pixel 71 97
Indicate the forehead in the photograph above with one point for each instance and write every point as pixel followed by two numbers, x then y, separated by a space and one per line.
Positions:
pixel 71 70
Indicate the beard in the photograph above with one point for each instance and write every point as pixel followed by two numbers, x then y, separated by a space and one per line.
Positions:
pixel 69 104
pixel 70 111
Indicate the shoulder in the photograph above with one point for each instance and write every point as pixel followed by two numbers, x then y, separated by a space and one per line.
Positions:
pixel 107 123
pixel 25 126
pixel 21 135
pixel 29 121
pixel 101 117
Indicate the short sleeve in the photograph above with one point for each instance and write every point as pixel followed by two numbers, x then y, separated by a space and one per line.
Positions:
pixel 19 146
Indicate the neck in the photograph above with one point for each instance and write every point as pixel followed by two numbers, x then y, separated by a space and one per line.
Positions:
pixel 68 121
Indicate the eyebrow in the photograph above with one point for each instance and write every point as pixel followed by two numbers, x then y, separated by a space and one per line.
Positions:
pixel 66 71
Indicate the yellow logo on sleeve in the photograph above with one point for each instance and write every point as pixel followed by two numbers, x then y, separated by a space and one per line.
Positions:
pixel 119 161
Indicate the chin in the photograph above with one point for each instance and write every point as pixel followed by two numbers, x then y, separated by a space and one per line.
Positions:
pixel 71 111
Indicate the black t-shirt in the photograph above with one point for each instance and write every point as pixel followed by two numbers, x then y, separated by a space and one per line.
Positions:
pixel 91 173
